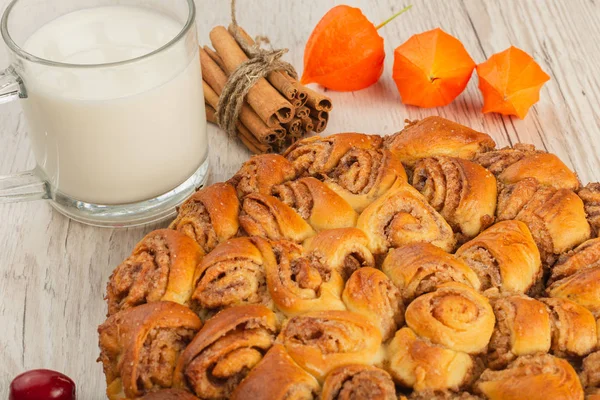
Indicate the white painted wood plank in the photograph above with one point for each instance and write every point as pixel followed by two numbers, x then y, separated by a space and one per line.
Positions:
pixel 53 272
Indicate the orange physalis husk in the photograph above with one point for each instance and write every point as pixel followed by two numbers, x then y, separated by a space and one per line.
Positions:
pixel 510 82
pixel 344 52
pixel 431 69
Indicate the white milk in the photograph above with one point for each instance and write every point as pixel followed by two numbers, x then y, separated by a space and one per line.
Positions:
pixel 115 134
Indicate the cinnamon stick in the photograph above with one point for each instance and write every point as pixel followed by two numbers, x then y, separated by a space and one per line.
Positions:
pixel 319 114
pixel 216 79
pixel 214 56
pixel 318 101
pixel 268 103
pixel 294 126
pixel 308 124
pixel 302 112
pixel 319 120
pixel 277 78
pixel 243 133
pixel 302 95
pixel 251 143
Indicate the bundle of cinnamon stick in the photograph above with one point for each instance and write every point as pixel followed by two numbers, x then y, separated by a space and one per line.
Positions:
pixel 278 110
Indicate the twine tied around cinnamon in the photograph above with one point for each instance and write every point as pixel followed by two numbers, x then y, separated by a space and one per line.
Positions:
pixel 261 63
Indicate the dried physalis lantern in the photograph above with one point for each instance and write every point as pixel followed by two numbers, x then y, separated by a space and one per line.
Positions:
pixel 510 82
pixel 431 69
pixel 344 52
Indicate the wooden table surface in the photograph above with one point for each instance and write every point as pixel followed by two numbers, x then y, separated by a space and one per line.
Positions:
pixel 53 271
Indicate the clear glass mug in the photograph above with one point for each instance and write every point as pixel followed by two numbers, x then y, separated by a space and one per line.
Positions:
pixel 117 143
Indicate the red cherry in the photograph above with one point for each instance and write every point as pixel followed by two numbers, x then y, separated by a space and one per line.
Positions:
pixel 41 384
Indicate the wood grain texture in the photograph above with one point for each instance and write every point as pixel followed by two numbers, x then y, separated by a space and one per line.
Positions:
pixel 53 272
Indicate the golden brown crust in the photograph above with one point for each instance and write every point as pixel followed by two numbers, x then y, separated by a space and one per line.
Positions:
pixel 261 173
pixel 314 201
pixel 420 268
pixel 586 255
pixel 591 200
pixel 371 293
pixel 363 176
pixel 416 363
pixel 277 377
pixel 454 316
pixel 576 276
pixel 170 394
pixel 233 273
pixel 463 192
pixel 522 327
pixel 533 377
pixel 322 341
pixel 268 217
pixel 556 218
pixel 161 267
pixel 209 216
pixel 317 155
pixel 512 165
pixel 225 350
pixel 342 250
pixel 403 216
pixel 437 136
pixel 573 328
pixel 504 257
pixel 302 282
pixel 132 341
pixel 356 381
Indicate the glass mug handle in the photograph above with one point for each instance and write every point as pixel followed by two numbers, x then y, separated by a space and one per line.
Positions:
pixel 27 185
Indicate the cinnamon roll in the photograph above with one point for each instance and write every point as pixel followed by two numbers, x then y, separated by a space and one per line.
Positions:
pixel 573 328
pixel 437 136
pixel 233 273
pixel 463 192
pixel 442 395
pixel 277 377
pixel 363 176
pixel 523 327
pixel 268 217
pixel 371 293
pixel 261 173
pixel 225 350
pixel 504 257
pixel 403 216
pixel 356 381
pixel 140 346
pixel 454 316
pixel 556 217
pixel 210 216
pixel 161 267
pixel 322 341
pixel 170 394
pixel 300 283
pixel 423 366
pixel 320 155
pixel 532 377
pixel 342 250
pixel 512 165
pixel 590 371
pixel 576 276
pixel 591 200
pixel 420 268
pixel 316 203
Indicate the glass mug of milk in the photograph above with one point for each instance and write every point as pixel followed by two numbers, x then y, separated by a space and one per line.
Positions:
pixel 112 94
